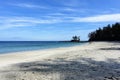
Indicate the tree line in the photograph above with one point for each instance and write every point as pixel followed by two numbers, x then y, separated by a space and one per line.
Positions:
pixel 107 33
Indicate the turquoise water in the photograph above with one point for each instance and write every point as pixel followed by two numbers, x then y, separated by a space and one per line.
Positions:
pixel 17 46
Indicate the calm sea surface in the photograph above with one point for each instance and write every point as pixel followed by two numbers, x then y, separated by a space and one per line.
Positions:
pixel 16 46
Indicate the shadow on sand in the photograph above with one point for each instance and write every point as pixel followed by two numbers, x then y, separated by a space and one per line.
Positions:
pixel 82 69
pixel 112 48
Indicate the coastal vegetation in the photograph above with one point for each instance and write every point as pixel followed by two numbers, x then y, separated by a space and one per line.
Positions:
pixel 107 33
pixel 75 39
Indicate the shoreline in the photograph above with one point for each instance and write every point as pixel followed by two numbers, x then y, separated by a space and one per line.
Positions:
pixel 40 47
pixel 92 61
pixel 24 54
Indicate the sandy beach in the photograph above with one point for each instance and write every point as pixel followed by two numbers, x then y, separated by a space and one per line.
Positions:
pixel 91 61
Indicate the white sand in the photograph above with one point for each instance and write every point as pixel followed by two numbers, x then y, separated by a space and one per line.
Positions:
pixel 94 61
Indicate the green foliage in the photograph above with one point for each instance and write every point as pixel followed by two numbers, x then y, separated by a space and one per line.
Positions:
pixel 108 33
pixel 75 39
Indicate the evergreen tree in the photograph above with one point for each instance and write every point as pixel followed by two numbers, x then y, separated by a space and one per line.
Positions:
pixel 108 33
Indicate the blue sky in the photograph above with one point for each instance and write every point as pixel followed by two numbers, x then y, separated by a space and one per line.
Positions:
pixel 48 20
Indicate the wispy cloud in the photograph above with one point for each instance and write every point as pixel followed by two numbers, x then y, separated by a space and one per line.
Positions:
pixel 29 5
pixel 90 19
pixel 69 9
pixel 73 3
pixel 115 9
pixel 9 22
pixel 99 18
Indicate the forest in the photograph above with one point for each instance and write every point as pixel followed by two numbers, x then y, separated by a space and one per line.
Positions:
pixel 107 33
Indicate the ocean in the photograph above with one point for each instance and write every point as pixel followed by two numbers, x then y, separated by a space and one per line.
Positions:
pixel 17 46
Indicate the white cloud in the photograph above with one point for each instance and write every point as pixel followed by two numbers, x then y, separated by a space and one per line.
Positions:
pixel 28 5
pixel 99 18
pixel 73 3
pixel 90 19
pixel 69 9
pixel 9 22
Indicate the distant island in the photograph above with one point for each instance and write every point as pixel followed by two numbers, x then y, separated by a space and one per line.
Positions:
pixel 75 39
pixel 108 33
